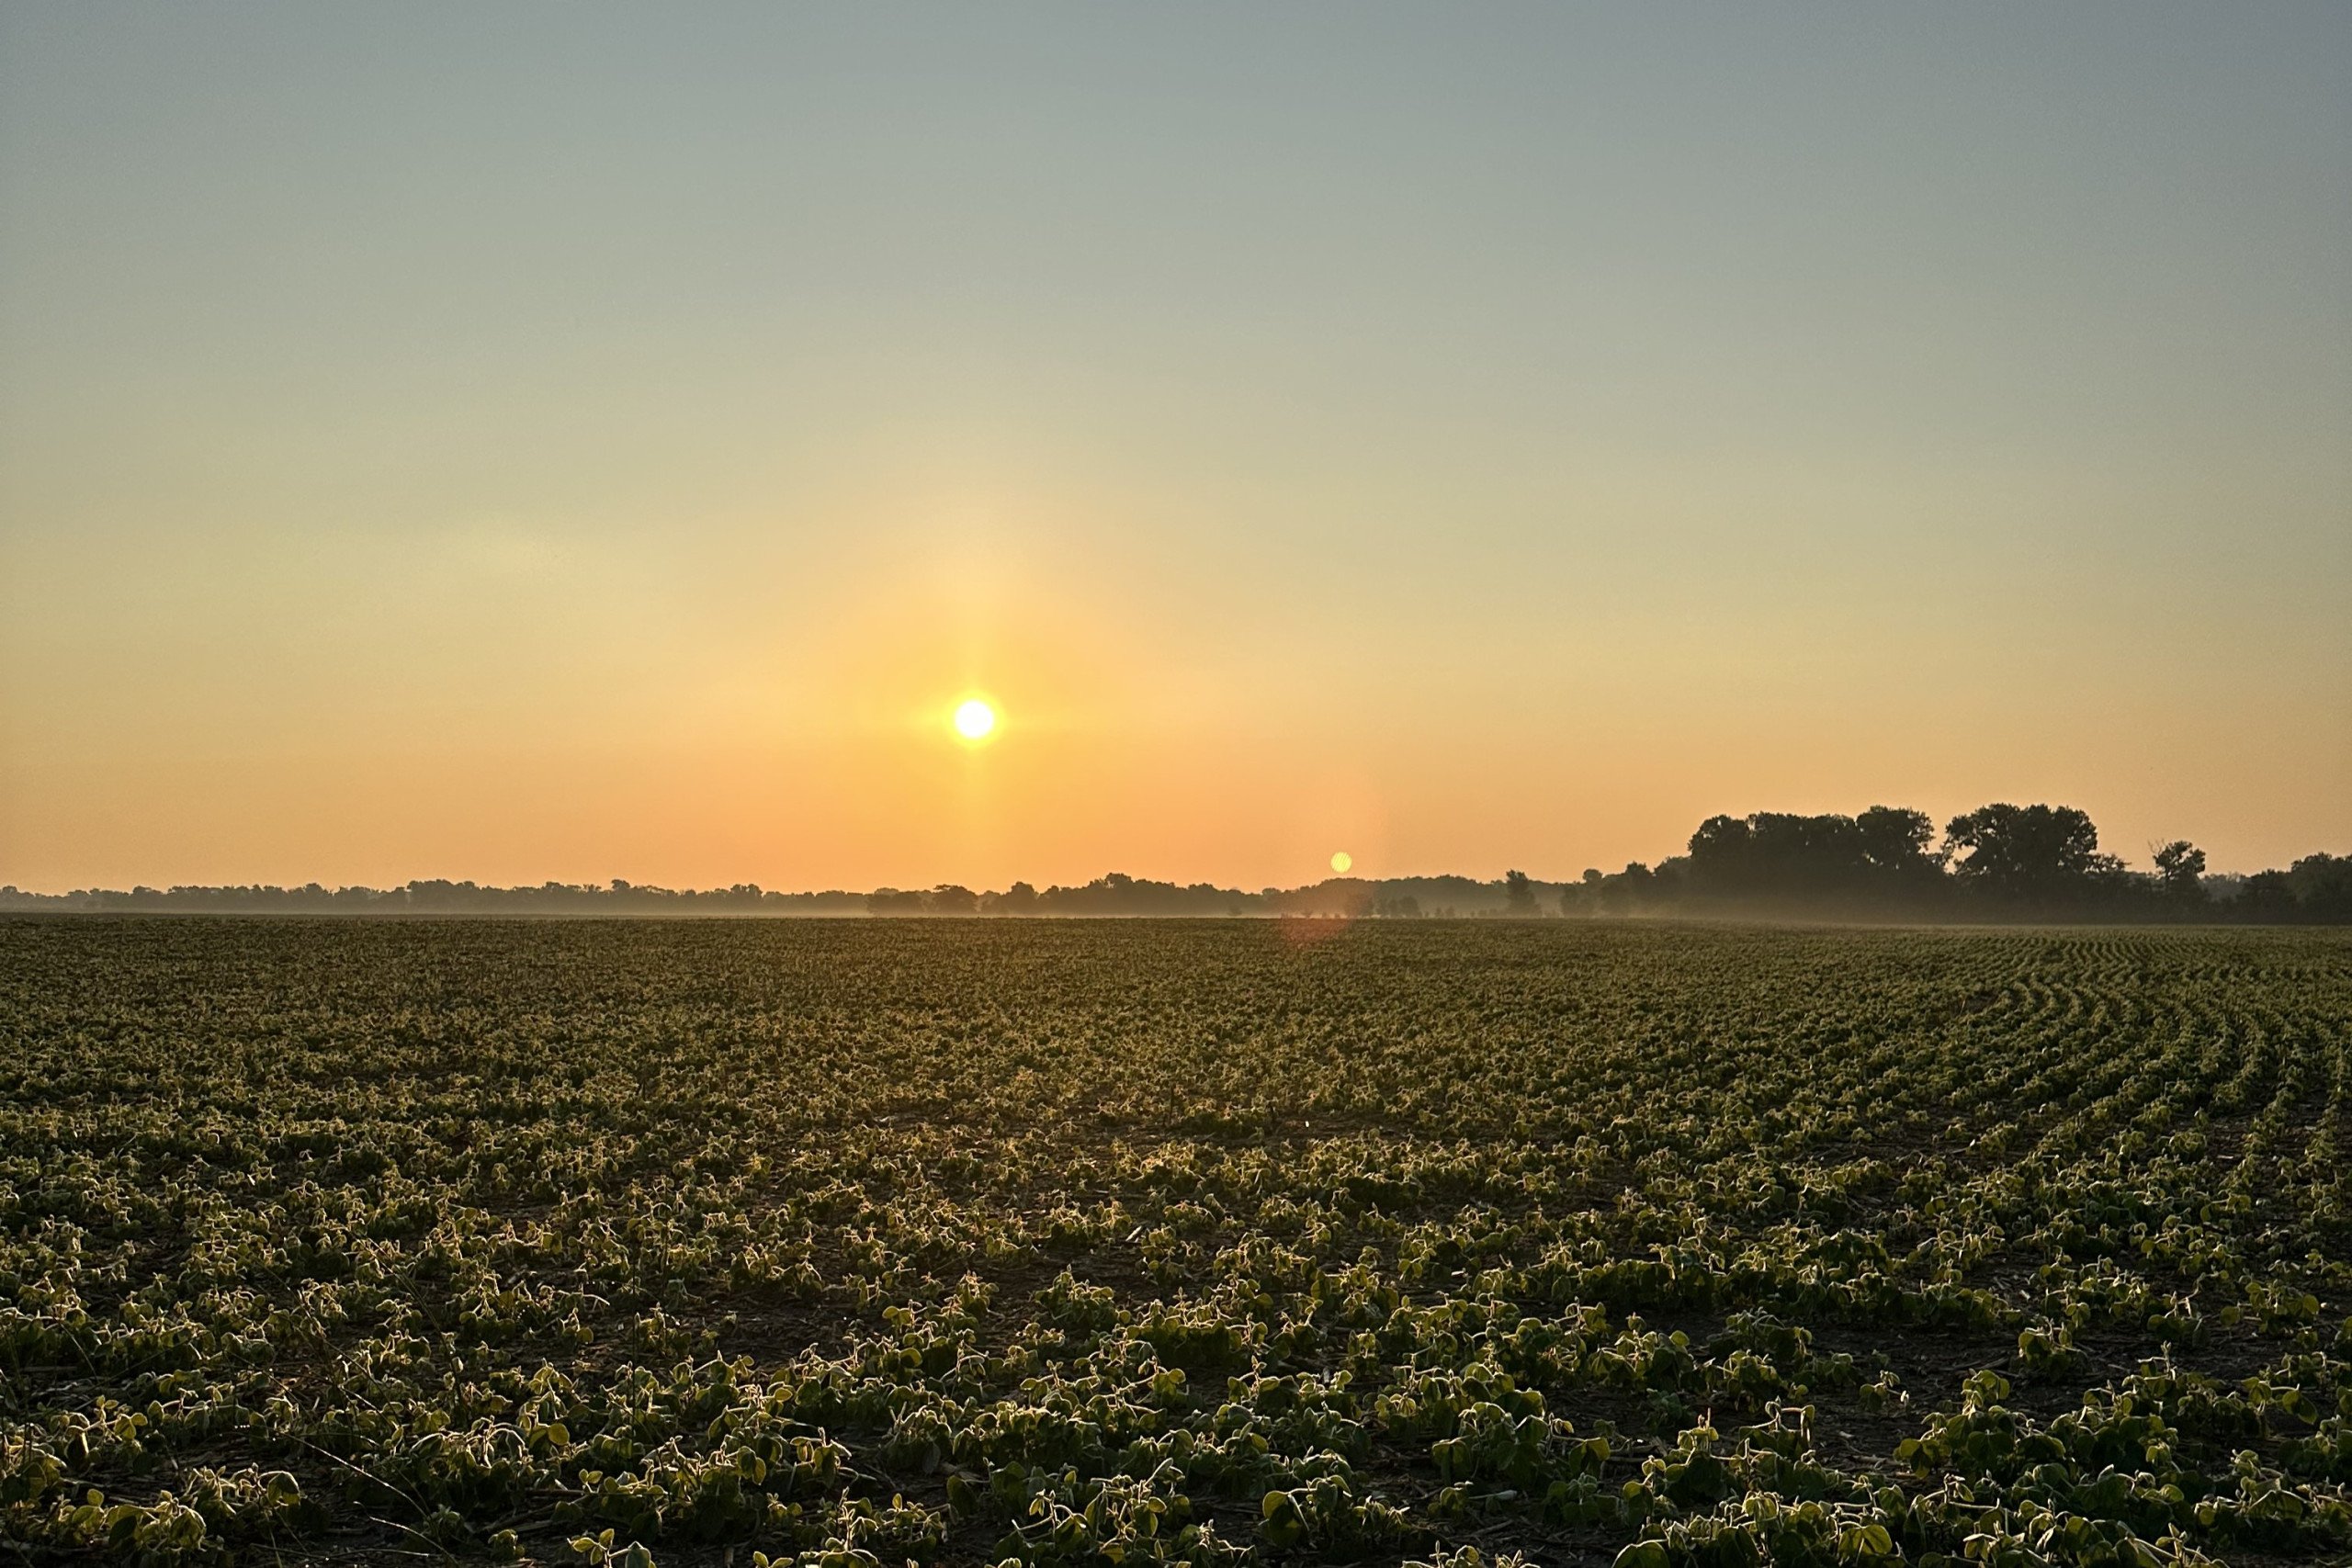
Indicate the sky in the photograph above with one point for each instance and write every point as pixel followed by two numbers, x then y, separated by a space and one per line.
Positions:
pixel 577 441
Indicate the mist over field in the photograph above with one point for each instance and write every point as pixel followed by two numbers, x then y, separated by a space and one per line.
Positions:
pixel 2001 863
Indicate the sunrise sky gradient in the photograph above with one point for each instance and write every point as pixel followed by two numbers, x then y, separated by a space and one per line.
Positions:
pixel 572 442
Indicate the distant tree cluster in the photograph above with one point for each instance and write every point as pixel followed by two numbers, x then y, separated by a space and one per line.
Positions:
pixel 440 898
pixel 1883 855
pixel 1998 863
pixel 1116 894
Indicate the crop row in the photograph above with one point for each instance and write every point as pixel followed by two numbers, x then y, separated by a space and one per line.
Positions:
pixel 874 1243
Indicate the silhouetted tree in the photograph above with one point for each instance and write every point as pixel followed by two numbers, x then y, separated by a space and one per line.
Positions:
pixel 1519 894
pixel 2180 872
pixel 2028 853
pixel 1018 899
pixel 1895 841
pixel 1879 860
pixel 2322 886
pixel 2316 889
pixel 1628 890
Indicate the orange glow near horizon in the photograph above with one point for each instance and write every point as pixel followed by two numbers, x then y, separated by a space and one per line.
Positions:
pixel 1158 735
pixel 1668 415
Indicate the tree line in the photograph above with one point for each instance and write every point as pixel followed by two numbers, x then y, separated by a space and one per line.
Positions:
pixel 438 896
pixel 1998 863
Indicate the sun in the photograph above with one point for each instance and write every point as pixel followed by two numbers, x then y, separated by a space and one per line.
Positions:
pixel 1340 861
pixel 975 719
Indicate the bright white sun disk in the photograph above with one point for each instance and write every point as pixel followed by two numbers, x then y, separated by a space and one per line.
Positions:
pixel 975 720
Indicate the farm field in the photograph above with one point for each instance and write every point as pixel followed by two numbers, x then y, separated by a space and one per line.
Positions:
pixel 868 1242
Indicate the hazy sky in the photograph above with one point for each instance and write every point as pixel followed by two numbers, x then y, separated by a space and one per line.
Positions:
pixel 568 441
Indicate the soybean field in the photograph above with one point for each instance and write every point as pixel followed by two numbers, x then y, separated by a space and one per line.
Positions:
pixel 954 1242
